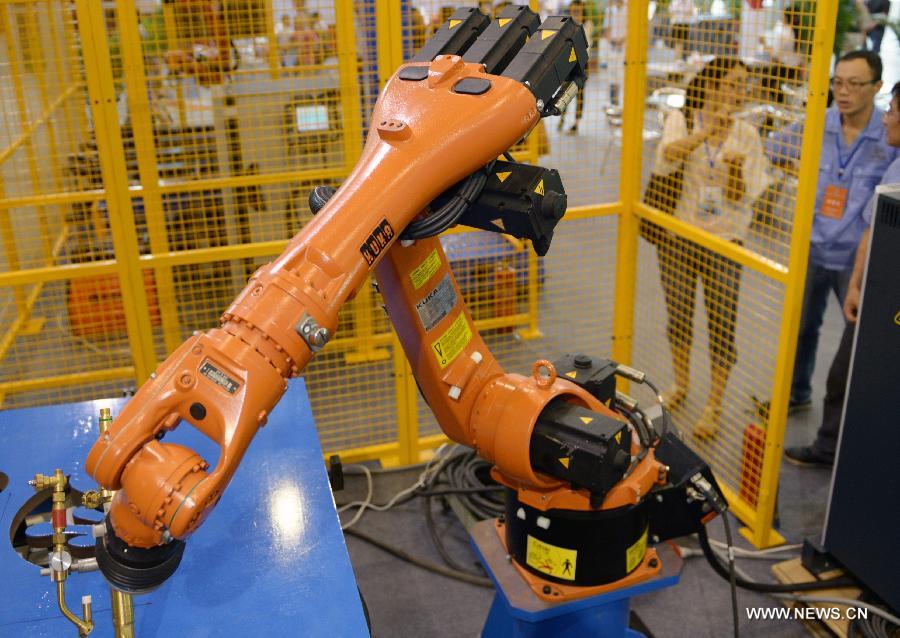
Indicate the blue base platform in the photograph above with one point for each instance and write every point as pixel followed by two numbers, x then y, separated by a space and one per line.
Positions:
pixel 270 560
pixel 517 612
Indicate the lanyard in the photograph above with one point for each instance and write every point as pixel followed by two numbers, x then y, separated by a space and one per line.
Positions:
pixel 842 163
pixel 710 158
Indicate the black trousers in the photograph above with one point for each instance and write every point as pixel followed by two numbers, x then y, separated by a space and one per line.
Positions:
pixel 681 263
pixel 835 389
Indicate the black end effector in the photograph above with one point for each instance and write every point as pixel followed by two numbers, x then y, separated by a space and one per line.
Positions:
pixel 692 497
pixel 455 36
pixel 520 200
pixel 135 570
pixel 552 63
pixel 585 448
pixel 503 38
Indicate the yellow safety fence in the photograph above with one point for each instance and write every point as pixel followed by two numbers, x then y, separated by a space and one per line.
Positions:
pixel 153 155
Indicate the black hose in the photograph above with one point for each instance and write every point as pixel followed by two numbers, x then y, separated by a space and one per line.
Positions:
pixel 418 562
pixel 770 588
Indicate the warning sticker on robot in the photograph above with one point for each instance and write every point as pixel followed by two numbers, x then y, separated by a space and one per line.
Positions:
pixel 452 342
pixel 437 304
pixel 425 271
pixel 551 560
pixel 635 554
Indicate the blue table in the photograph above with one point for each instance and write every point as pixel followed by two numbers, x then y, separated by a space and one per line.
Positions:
pixel 270 559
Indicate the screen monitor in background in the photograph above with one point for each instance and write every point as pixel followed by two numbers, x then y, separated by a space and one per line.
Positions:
pixel 311 118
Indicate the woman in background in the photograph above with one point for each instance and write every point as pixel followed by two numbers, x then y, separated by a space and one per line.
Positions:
pixel 723 166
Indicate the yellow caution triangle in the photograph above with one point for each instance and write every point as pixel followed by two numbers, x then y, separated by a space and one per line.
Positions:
pixel 572 374
pixel 587 419
pixel 547 34
pixel 572 56
pixel 619 437
pixel 565 462
pixel 502 176
pixel 454 23
pixel 539 189
pixel 503 22
pixel 498 223
pixel 897 318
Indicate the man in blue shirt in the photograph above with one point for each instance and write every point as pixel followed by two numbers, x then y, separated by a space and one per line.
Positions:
pixel 821 452
pixel 853 160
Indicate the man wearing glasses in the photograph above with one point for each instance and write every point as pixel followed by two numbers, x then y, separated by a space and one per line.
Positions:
pixel 853 160
pixel 821 452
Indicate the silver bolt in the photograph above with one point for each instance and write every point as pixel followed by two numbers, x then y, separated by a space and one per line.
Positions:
pixel 659 498
pixel 540 105
pixel 654 539
pixel 60 561
pixel 306 328
pixel 320 337
pixel 152 375
pixel 406 243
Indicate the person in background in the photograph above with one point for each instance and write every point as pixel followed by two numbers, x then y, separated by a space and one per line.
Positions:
pixel 615 28
pixel 723 166
pixel 821 452
pixel 284 33
pixel 853 160
pixel 681 15
pixel 576 10
pixel 879 10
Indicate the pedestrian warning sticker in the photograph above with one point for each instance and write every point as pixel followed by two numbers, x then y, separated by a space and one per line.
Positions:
pixel 551 560
pixel 502 176
pixel 452 342
pixel 635 554
pixel 503 22
pixel 539 189
pixel 572 56
pixel 425 271
pixel 454 23
pixel 437 304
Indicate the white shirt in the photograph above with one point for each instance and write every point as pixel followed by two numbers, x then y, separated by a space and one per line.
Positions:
pixel 705 184
pixel 617 21
pixel 783 45
pixel 681 11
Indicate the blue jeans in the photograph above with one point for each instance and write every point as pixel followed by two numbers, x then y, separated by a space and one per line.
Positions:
pixel 819 281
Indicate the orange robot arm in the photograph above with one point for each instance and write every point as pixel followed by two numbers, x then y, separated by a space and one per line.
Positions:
pixel 429 132
pixel 439 120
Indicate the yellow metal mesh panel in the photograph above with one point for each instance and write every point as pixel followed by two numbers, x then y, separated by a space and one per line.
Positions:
pixel 706 319
pixel 61 337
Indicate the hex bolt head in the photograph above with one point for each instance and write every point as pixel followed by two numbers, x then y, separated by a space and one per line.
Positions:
pixel 546 589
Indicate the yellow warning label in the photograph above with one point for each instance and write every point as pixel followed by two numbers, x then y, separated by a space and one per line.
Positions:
pixel 539 189
pixel 498 223
pixel 551 560
pixel 425 271
pixel 547 34
pixel 897 318
pixel 502 176
pixel 572 374
pixel 572 56
pixel 503 22
pixel 452 342
pixel 635 554
pixel 454 23
pixel 586 419
pixel 564 461
pixel 619 437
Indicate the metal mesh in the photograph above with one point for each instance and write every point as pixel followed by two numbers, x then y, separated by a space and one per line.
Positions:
pixel 705 318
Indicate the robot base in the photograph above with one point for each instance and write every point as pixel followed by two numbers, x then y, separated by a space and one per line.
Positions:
pixel 519 612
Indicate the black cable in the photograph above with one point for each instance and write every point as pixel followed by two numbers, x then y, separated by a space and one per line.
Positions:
pixel 418 562
pixel 773 588
pixel 448 214
pixel 439 544
pixel 461 490
pixel 728 540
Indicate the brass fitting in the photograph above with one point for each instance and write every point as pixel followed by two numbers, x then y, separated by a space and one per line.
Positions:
pixel 85 626
pixel 92 499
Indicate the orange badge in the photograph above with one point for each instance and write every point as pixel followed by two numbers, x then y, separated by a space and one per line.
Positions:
pixel 834 201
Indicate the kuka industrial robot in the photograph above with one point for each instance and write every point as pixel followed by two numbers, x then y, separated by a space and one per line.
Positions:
pixel 590 478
